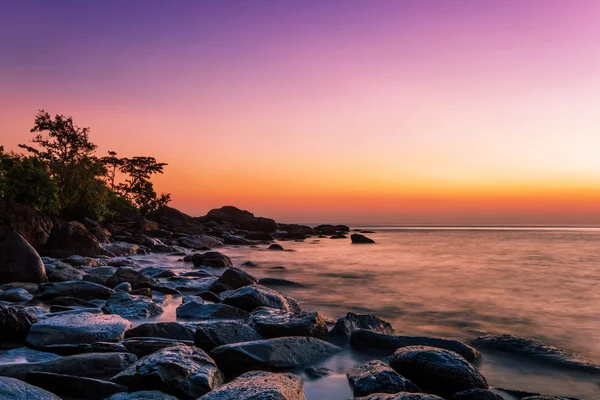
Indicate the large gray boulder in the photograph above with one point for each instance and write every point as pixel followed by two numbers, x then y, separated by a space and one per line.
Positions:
pixel 271 354
pixel 72 386
pixel 131 307
pixel 251 297
pixel 79 289
pixel 15 323
pixel 77 328
pixel 378 377
pixel 198 310
pixel 362 339
pixel 211 259
pixel 183 371
pixel 272 322
pixel 260 385
pixel 438 371
pixel 231 279
pixel 19 262
pixel 69 238
pixel 351 322
pixel 212 334
pixel 166 330
pixel 14 389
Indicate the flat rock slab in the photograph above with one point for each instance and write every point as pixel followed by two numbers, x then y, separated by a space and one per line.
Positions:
pixel 378 377
pixel 271 322
pixel 77 329
pixel 260 385
pixel 271 354
pixel 14 389
pixel 183 371
pixel 74 386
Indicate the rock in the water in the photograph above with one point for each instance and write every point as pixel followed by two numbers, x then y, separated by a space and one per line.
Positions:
pixel 198 310
pixel 16 295
pixel 185 372
pixel 191 284
pixel 121 249
pixel 209 296
pixel 231 279
pixel 68 238
pixel 74 386
pixel 142 347
pixel 251 297
pixel 276 246
pixel 77 328
pixel 477 394
pixel 25 355
pixel 99 275
pixel 368 340
pixel 277 282
pixel 378 377
pixel 167 330
pixel 91 365
pixel 15 323
pixel 14 389
pixel 534 351
pixel 80 289
pixel 260 385
pixel 400 396
pixel 211 259
pixel 157 272
pixel 240 218
pixel 199 241
pixel 124 287
pixel 271 354
pixel 81 348
pixel 142 395
pixel 217 333
pixel 317 372
pixel 351 322
pixel 63 272
pixel 438 371
pixel 131 307
pixel 362 239
pixel 331 229
pixel 19 262
pixel 272 322
pixel 135 278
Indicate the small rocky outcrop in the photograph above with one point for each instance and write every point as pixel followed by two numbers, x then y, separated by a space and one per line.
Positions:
pixel 477 394
pixel 167 330
pixel 19 262
pixel 232 278
pixel 211 259
pixel 131 307
pixel 271 354
pixel 260 385
pixel 242 219
pixel 330 229
pixel 351 322
pixel 378 377
pixel 15 323
pixel 185 372
pixel 438 371
pixel 251 297
pixel 14 389
pixel 198 310
pixel 218 333
pixel 74 386
pixel 68 238
pixel 79 289
pixel 360 239
pixel 272 322
pixel 362 339
pixel 77 328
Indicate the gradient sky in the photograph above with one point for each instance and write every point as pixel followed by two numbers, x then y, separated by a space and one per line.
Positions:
pixel 410 111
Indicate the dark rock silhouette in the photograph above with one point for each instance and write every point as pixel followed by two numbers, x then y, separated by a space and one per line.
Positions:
pixel 19 261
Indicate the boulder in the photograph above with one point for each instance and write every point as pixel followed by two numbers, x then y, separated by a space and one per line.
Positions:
pixel 68 238
pixel 351 322
pixel 251 297
pixel 81 348
pixel 63 272
pixel 99 275
pixel 209 296
pixel 271 354
pixel 438 371
pixel 211 259
pixel 33 225
pixel 260 385
pixel 275 246
pixel 198 310
pixel 477 394
pixel 79 289
pixel 534 351
pixel 121 249
pixel 199 241
pixel 212 334
pixel 131 307
pixel 91 365
pixel 167 330
pixel 185 283
pixel 400 396
pixel 157 272
pixel 142 347
pixel 360 239
pixel 14 389
pixel 15 323
pixel 272 322
pixel 142 395
pixel 124 287
pixel 331 229
pixel 19 262
pixel 279 282
pixel 362 339
pixel 72 301
pixel 77 328
pixel 231 279
pixel 25 355
pixel 183 371
pixel 317 372
pixel 240 218
pixel 137 279
pixel 74 386
pixel 378 377
pixel 16 295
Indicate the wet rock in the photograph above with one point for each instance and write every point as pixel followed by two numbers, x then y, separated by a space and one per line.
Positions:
pixel 251 297
pixel 438 371
pixel 142 395
pixel 338 236
pixel 68 238
pixel 477 394
pixel 351 322
pixel 121 249
pixel 19 262
pixel 157 272
pixel 331 229
pixel 240 218
pixel 30 287
pixel 14 389
pixel 167 330
pixel 209 296
pixel 77 328
pixel 199 310
pixel 260 385
pixel 185 372
pixel 249 264
pixel 79 261
pixel 400 396
pixel 147 292
pixel 74 386
pixel 231 279
pixel 362 339
pixel 378 377
pixel 534 351
pixel 271 354
pixel 131 307
pixel 124 287
pixel 271 322
pixel 99 275
pixel 135 278
pixel 16 295
pixel 279 282
pixel 259 236
pixel 198 241
pixel 217 333
pixel 142 347
pixel 80 289
pixel 25 355
pixel 276 247
pixel 81 348
pixel 190 284
pixel 62 272
pixel 358 238
pixel 92 365
pixel 15 323
pixel 317 372
pixel 211 259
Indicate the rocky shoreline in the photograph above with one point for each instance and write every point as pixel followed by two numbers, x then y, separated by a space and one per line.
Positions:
pixel 66 330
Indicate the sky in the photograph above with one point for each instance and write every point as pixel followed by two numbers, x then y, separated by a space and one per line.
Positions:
pixel 406 111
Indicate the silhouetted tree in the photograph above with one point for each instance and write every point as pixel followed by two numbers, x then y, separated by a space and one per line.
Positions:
pixel 137 186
